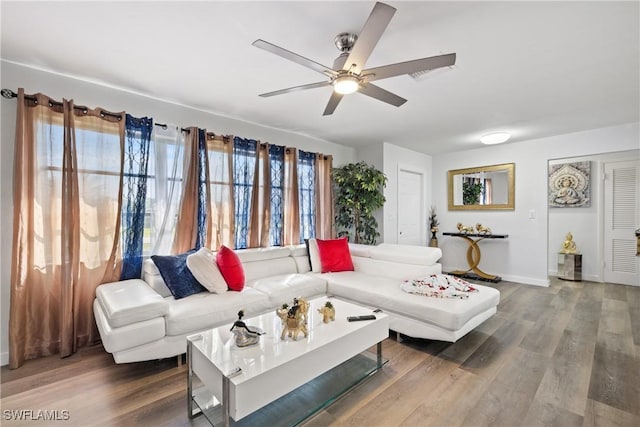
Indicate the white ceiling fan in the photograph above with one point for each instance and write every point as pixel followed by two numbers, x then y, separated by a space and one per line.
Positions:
pixel 348 74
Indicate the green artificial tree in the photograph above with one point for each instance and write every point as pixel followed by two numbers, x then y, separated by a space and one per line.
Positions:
pixel 358 194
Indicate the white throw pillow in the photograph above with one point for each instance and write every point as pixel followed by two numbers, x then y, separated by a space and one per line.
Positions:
pixel 202 265
pixel 314 256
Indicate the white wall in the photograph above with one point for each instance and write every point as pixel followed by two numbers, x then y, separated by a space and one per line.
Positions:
pixel 585 224
pixel 396 158
pixel 374 155
pixel 93 95
pixel 523 257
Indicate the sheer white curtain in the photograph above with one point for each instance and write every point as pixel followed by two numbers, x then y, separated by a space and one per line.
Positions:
pixel 164 189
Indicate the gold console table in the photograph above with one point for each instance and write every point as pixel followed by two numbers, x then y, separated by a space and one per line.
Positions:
pixel 473 256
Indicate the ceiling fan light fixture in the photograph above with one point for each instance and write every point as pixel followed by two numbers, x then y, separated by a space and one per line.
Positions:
pixel 345 85
pixel 495 138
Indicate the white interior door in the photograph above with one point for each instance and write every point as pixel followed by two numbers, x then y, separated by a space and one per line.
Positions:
pixel 621 218
pixel 410 208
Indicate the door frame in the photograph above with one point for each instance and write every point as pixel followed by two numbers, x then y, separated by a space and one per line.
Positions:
pixel 423 201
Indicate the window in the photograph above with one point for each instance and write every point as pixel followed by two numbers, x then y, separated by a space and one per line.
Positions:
pixel 306 189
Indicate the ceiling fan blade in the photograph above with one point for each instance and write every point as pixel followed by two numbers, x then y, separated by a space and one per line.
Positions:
pixel 296 89
pixel 380 94
pixel 409 67
pixel 369 35
pixel 333 103
pixel 305 62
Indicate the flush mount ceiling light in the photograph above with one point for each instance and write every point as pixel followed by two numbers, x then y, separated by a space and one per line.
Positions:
pixel 495 138
pixel 345 85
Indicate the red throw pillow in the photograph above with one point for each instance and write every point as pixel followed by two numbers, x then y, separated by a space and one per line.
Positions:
pixel 231 268
pixel 334 255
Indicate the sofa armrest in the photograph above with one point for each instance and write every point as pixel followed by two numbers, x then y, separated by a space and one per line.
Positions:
pixel 130 301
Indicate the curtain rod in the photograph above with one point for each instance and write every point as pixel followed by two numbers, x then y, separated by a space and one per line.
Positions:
pixel 9 94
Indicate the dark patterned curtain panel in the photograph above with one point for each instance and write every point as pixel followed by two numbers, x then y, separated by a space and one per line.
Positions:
pixel 244 162
pixel 136 159
pixel 203 167
pixel 307 196
pixel 276 230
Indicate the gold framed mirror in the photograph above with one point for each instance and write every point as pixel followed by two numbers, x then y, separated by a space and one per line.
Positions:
pixel 482 188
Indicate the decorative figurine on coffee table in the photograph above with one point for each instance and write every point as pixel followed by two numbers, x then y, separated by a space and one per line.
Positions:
pixel 328 312
pixel 294 320
pixel 245 335
pixel 282 312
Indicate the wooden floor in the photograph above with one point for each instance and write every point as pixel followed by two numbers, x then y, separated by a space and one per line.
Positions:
pixel 567 355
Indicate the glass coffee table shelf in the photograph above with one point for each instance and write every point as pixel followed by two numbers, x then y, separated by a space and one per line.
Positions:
pixel 303 402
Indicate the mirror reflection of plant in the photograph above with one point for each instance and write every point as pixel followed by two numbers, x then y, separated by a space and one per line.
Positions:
pixel 471 192
pixel 358 194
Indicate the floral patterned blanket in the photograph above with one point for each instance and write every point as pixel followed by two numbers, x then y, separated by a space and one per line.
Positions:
pixel 439 286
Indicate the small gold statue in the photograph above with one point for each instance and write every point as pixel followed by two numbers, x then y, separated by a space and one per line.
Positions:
pixel 569 246
pixel 328 312
pixel 294 320
pixel 463 229
pixel 482 229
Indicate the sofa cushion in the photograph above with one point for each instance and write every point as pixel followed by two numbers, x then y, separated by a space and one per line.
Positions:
pixel 334 255
pixel 376 291
pixel 176 275
pixel 298 250
pixel 358 249
pixel 393 270
pixel 130 301
pixel 157 284
pixel 285 288
pixel 207 310
pixel 418 255
pixel 273 267
pixel 121 338
pixel 263 254
pixel 314 255
pixel 204 268
pixel 231 268
pixel 150 268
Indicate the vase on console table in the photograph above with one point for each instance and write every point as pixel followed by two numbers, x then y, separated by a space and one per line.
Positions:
pixel 433 243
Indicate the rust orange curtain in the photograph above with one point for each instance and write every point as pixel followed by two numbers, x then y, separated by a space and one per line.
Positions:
pixel 67 199
pixel 186 235
pixel 291 223
pixel 220 209
pixel 260 210
pixel 324 197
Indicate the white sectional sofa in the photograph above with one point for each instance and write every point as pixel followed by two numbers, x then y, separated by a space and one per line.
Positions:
pixel 140 320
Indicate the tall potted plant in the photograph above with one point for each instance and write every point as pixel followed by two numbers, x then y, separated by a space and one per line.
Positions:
pixel 358 194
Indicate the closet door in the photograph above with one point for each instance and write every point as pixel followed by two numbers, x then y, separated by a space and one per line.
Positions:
pixel 621 218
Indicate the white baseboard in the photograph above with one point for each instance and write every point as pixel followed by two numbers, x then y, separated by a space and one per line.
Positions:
pixel 585 277
pixel 526 280
pixel 4 358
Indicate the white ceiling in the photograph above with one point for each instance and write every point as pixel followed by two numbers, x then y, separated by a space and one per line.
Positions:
pixel 531 68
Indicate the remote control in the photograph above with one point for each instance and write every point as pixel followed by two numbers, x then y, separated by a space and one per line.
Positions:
pixel 358 318
pixel 234 372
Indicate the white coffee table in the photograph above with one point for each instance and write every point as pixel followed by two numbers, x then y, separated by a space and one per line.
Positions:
pixel 320 367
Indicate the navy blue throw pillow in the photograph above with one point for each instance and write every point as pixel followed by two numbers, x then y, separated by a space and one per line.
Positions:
pixel 174 272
